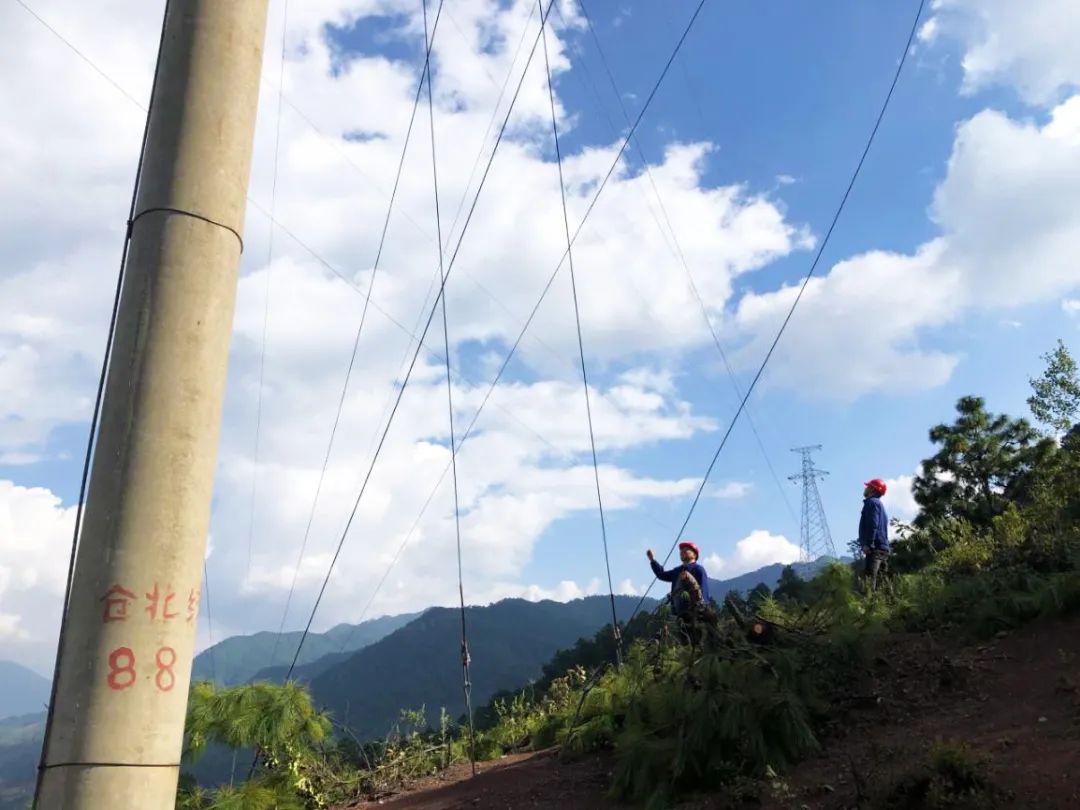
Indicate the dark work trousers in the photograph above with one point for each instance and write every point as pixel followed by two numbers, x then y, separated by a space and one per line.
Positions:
pixel 875 558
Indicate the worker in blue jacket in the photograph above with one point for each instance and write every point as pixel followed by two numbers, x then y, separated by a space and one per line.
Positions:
pixel 873 530
pixel 689 582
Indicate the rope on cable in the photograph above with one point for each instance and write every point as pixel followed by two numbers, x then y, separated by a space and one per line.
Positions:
pixel 680 256
pixel 428 43
pixel 100 395
pixel 266 297
pixel 536 307
pixel 466 682
pixel 419 347
pixel 581 351
pixel 802 290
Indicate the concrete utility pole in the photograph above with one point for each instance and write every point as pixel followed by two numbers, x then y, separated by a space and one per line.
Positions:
pixel 125 667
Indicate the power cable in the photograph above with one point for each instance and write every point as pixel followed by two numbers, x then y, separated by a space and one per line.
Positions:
pixel 581 350
pixel 266 297
pixel 461 203
pixel 490 125
pixel 431 352
pixel 81 55
pixel 466 681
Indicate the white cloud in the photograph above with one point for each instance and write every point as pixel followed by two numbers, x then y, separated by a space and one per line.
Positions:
pixel 35 544
pixel 856 330
pixel 562 592
pixel 1006 212
pixel 732 490
pixel 1029 45
pixel 929 30
pixel 1071 307
pixel 17 458
pixel 9 627
pixel 756 550
pixel 899 501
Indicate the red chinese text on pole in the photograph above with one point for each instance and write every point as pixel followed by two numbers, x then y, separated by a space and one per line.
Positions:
pixel 123 665
pixel 154 597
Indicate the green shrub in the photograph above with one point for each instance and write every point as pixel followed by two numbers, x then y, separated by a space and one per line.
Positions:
pixel 718 717
pixel 954 776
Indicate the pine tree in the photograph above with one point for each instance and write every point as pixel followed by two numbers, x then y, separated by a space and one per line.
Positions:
pixel 985 461
pixel 1056 398
pixel 278 722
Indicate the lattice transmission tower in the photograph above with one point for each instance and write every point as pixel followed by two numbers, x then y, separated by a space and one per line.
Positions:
pixel 816 540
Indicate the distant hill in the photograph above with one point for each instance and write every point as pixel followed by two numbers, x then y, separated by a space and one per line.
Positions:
pixel 303 672
pixel 420 664
pixel 769 575
pixel 239 659
pixel 20 747
pixel 510 642
pixel 22 691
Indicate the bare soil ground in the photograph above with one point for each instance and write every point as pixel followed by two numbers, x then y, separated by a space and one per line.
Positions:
pixel 518 780
pixel 1016 698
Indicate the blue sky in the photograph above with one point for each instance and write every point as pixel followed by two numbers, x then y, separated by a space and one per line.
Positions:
pixel 949 273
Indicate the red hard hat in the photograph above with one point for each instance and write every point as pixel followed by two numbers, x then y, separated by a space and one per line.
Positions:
pixel 878 484
pixel 693 547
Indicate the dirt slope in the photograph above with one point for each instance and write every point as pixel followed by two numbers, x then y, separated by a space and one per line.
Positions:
pixel 1015 698
pixel 520 780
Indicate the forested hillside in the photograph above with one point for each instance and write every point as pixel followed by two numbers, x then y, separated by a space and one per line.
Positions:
pixel 22 691
pixel 420 664
pixel 239 659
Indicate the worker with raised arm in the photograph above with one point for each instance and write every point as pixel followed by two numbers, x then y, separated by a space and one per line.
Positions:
pixel 873 530
pixel 689 582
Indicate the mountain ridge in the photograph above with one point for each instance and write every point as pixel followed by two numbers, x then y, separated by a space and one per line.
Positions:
pixel 768 575
pixel 240 659
pixel 420 664
pixel 22 691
